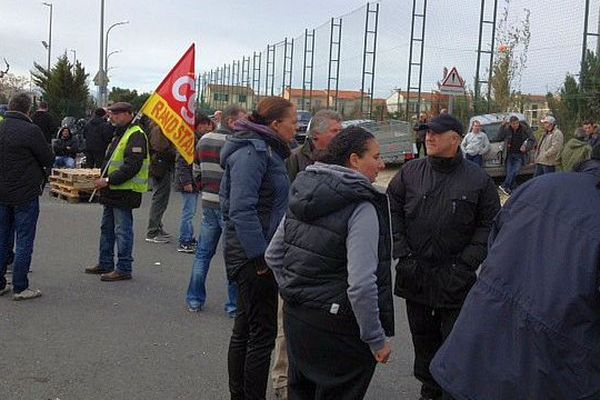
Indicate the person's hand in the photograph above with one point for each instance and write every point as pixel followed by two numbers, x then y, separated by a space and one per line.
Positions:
pixel 382 356
pixel 188 188
pixel 261 266
pixel 100 183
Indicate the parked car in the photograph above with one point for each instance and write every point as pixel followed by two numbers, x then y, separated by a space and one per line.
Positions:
pixel 395 138
pixel 494 161
pixel 304 118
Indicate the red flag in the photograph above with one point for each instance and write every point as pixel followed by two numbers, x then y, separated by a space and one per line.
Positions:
pixel 173 103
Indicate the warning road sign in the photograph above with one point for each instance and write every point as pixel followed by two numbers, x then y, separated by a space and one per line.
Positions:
pixel 453 83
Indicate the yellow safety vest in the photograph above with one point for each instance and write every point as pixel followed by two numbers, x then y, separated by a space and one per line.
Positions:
pixel 139 183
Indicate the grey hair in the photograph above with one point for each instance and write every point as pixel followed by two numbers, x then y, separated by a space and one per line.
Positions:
pixel 20 102
pixel 232 111
pixel 321 120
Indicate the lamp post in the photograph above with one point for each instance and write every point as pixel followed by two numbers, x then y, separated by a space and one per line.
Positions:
pixel 106 41
pixel 108 58
pixel 49 34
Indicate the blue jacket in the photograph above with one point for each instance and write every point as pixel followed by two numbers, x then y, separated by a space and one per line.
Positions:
pixel 254 193
pixel 530 326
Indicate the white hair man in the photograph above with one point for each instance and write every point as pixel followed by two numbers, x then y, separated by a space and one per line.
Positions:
pixel 323 127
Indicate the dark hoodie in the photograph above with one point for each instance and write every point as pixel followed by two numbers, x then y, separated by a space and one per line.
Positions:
pixel 332 254
pixel 65 146
pixel 254 193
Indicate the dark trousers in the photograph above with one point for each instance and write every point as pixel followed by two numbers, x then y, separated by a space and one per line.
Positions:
pixel 160 199
pixel 514 162
pixel 324 365
pixel 541 169
pixel 18 222
pixel 94 159
pixel 419 145
pixel 477 159
pixel 429 328
pixel 253 336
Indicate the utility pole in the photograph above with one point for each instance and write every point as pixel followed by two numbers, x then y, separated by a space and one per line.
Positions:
pixel 49 35
pixel 100 78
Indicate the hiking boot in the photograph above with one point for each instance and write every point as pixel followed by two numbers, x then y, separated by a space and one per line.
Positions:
pixel 97 270
pixel 27 294
pixel 114 276
pixel 157 239
pixel 186 248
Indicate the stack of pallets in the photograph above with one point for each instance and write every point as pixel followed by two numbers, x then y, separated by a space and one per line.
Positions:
pixel 73 184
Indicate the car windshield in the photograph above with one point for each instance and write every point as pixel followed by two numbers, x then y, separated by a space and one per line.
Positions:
pixel 492 131
pixel 304 116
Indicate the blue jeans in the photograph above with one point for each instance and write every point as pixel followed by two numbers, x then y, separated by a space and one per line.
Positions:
pixel 543 169
pixel 210 232
pixel 186 230
pixel 117 226
pixel 477 159
pixel 514 163
pixel 62 161
pixel 19 221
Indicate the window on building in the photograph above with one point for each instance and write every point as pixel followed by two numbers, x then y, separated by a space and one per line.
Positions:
pixel 221 97
pixel 534 111
pixel 242 98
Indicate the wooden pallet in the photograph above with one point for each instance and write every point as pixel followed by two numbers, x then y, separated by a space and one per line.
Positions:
pixel 76 178
pixel 70 197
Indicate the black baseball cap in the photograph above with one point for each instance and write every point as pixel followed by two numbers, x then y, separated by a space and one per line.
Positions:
pixel 445 122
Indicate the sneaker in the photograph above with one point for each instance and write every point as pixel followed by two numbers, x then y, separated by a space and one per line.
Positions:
pixel 27 294
pixel 157 239
pixel 194 309
pixel 164 234
pixel 186 248
pixel 6 289
pixel 504 190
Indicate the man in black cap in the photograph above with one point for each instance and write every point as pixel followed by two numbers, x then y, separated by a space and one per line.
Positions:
pixel 124 179
pixel 442 209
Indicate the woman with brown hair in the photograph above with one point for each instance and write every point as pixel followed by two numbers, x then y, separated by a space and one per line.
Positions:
pixel 254 196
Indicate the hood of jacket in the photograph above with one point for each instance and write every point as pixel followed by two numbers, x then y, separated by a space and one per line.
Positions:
pixel 575 144
pixel 323 189
pixel 261 137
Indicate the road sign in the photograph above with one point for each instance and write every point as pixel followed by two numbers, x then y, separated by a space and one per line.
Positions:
pixel 453 83
pixel 101 79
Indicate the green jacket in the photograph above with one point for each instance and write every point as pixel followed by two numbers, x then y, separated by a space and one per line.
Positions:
pixel 574 152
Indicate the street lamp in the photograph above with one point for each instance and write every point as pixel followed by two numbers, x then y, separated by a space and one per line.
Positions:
pixel 108 57
pixel 106 41
pixel 49 47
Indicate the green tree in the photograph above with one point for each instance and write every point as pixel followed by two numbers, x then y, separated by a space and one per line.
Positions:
pixel 129 96
pixel 511 59
pixel 590 92
pixel 64 87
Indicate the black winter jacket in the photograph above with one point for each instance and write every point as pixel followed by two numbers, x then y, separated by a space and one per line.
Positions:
pixel 317 274
pixel 442 210
pixel 25 159
pixel 46 123
pixel 132 164
pixel 98 134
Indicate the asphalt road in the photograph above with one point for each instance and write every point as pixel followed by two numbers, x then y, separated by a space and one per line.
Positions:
pixel 87 340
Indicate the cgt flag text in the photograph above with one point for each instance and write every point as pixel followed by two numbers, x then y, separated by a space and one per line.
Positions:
pixel 172 105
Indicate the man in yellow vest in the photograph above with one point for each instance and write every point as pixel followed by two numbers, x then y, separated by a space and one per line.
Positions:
pixel 125 178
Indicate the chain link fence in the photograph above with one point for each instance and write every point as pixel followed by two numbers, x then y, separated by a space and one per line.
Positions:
pixel 333 56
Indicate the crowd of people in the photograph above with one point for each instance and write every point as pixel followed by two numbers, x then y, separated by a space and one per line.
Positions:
pixel 501 303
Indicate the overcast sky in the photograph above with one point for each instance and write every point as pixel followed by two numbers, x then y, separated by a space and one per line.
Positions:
pixel 160 31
